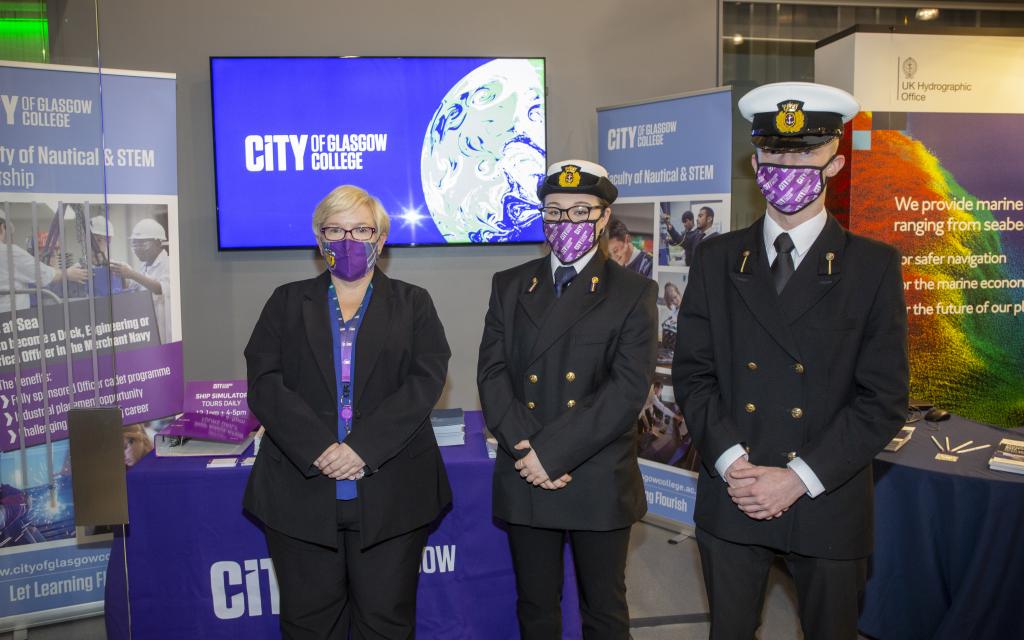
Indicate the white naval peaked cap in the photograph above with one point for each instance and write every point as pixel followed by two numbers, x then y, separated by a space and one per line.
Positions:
pixel 586 166
pixel 796 116
pixel 578 176
pixel 816 98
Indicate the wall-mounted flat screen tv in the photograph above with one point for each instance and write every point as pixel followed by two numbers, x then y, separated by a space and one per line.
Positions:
pixel 452 147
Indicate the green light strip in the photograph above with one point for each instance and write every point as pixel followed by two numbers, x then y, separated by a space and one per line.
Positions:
pixel 25 39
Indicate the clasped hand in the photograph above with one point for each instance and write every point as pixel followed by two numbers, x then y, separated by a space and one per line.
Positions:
pixel 340 462
pixel 763 493
pixel 532 470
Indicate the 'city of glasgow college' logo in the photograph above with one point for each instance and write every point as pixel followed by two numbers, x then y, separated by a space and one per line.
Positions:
pixel 909 68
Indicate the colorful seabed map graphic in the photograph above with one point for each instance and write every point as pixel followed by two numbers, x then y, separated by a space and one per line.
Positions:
pixel 948 191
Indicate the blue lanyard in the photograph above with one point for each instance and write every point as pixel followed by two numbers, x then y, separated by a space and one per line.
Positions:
pixel 344 352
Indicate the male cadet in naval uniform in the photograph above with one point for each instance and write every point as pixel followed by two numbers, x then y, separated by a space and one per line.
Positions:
pixel 792 378
pixel 566 362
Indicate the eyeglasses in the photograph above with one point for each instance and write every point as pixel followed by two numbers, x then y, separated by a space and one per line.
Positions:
pixel 578 213
pixel 360 233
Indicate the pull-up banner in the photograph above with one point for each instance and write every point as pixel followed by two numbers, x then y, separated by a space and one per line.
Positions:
pixel 88 307
pixel 671 160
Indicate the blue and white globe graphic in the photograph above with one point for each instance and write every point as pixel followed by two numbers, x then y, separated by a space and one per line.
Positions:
pixel 483 154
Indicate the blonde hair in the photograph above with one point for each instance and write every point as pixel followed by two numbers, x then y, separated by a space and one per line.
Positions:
pixel 346 198
pixel 139 430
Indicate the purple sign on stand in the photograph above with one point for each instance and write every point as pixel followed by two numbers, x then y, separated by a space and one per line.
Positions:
pixel 216 397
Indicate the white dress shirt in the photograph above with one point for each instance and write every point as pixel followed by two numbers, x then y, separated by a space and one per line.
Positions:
pixel 579 265
pixel 803 236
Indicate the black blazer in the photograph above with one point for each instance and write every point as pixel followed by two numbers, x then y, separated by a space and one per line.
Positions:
pixel 401 363
pixel 571 375
pixel 819 372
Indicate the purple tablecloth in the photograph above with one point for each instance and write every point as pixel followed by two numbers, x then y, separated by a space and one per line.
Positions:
pixel 198 567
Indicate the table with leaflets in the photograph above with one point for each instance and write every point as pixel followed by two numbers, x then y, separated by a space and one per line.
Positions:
pixel 948 561
pixel 197 566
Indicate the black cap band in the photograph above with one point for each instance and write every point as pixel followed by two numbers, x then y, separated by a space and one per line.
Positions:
pixel 815 123
pixel 783 144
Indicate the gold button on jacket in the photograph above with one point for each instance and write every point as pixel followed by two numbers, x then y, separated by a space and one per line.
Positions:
pixel 797 413
pixel 751 407
pixel 571 404
pixel 531 405
pixel 752 366
pixel 533 378
pixel 570 376
pixel 799 368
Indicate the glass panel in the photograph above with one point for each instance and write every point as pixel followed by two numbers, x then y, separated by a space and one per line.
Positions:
pixel 55 289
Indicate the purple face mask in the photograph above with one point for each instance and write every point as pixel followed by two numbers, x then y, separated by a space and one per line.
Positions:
pixel 349 259
pixel 791 188
pixel 570 241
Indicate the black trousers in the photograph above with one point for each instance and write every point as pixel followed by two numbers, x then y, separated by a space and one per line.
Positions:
pixel 736 577
pixel 600 561
pixel 332 593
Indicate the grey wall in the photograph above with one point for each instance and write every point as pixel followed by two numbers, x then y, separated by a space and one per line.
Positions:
pixel 599 52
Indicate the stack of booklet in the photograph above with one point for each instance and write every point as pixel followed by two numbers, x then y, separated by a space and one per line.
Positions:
pixel 902 438
pixel 206 434
pixel 216 422
pixel 449 427
pixel 1009 456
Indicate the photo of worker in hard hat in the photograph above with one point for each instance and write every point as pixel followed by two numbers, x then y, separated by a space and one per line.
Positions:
pixel 148 242
pixel 105 279
pixel 20 271
pixel 87 255
pixel 75 236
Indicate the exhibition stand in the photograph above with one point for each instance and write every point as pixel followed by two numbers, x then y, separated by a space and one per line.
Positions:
pixel 454 147
pixel 947 562
pixel 198 567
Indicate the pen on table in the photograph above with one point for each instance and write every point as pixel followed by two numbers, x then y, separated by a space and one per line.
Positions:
pixel 937 443
pixel 961 446
pixel 984 446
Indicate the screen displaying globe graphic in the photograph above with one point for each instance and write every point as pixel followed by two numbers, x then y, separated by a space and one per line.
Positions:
pixel 483 154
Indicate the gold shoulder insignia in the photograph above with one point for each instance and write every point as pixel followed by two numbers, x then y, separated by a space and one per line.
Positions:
pixel 743 263
pixel 829 264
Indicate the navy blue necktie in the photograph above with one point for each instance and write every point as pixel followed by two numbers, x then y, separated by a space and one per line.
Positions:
pixel 563 276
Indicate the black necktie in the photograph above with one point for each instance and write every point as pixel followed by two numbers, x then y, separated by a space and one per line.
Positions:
pixel 782 268
pixel 563 276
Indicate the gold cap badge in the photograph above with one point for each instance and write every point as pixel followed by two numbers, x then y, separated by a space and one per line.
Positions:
pixel 570 176
pixel 790 118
